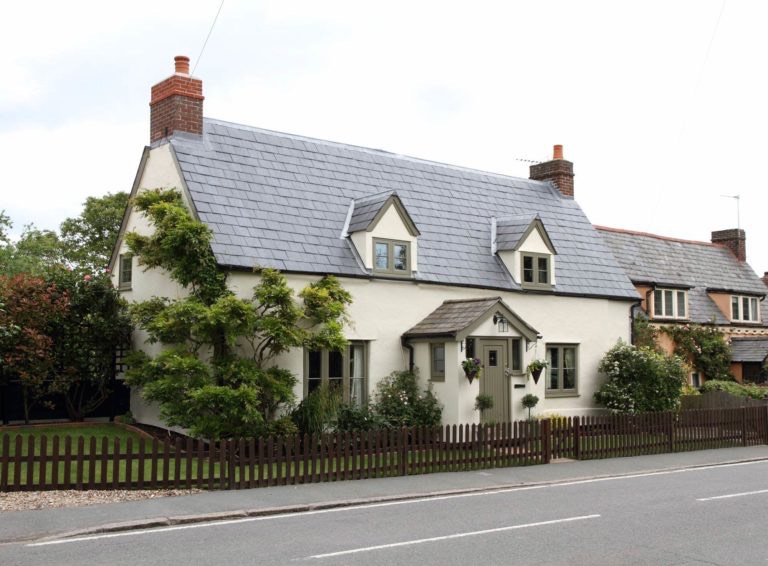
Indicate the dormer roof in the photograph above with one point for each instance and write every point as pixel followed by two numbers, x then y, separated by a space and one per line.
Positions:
pixel 513 231
pixel 368 210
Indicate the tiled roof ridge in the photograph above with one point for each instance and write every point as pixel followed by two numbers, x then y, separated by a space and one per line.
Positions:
pixel 475 300
pixel 374 151
pixel 656 236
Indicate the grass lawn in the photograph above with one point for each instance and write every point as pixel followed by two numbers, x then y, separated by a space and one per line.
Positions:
pixel 99 430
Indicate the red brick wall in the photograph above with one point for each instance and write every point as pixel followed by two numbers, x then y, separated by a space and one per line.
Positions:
pixel 734 239
pixel 559 171
pixel 176 106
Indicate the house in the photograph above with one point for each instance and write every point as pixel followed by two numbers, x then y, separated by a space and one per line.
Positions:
pixel 682 282
pixel 442 262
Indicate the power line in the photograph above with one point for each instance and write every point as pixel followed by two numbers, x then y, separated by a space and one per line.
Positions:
pixel 210 31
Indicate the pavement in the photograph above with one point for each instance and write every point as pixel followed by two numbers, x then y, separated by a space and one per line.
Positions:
pixel 19 526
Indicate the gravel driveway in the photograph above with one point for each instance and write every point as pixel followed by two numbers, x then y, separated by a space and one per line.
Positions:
pixel 28 500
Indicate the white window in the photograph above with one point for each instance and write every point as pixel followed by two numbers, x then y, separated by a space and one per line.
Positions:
pixel 345 370
pixel 745 309
pixel 670 303
pixel 437 362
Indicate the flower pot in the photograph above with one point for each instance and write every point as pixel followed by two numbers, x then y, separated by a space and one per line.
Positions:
pixel 536 374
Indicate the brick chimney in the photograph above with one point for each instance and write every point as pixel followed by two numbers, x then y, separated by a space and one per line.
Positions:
pixel 559 171
pixel 733 239
pixel 765 278
pixel 177 103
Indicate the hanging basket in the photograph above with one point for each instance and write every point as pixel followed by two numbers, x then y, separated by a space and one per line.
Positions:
pixel 536 374
pixel 470 377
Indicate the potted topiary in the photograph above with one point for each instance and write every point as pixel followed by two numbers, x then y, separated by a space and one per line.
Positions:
pixel 536 367
pixel 483 402
pixel 529 401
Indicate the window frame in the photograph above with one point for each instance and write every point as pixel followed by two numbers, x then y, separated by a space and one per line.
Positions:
pixel 751 300
pixel 121 282
pixel 434 373
pixel 390 270
pixel 346 378
pixel 561 391
pixel 535 259
pixel 675 304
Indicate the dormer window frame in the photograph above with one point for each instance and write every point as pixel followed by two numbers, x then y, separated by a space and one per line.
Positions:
pixel 669 308
pixel 390 270
pixel 535 270
pixel 738 303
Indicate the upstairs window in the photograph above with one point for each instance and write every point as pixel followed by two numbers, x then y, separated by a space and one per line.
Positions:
pixel 670 303
pixel 125 272
pixel 745 309
pixel 536 270
pixel 391 257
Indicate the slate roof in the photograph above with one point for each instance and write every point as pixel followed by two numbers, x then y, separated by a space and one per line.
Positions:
pixel 749 349
pixel 509 230
pixel 697 266
pixel 281 200
pixel 366 209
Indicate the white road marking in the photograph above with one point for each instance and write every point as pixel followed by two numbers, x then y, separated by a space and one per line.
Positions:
pixel 448 537
pixel 140 532
pixel 733 495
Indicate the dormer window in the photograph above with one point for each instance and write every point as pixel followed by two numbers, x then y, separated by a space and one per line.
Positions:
pixel 670 303
pixel 391 257
pixel 536 270
pixel 744 309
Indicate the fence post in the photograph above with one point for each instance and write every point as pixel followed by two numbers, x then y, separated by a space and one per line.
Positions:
pixel 402 453
pixel 576 438
pixel 546 441
pixel 744 426
pixel 670 431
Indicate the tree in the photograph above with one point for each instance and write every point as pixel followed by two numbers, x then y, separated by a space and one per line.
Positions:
pixel 85 339
pixel 640 380
pixel 88 239
pixel 31 308
pixel 34 253
pixel 706 347
pixel 218 377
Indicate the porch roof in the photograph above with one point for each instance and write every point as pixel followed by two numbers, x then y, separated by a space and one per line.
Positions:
pixel 749 349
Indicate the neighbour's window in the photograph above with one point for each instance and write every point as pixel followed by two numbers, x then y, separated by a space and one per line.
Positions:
pixel 745 309
pixel 344 371
pixel 536 270
pixel 437 362
pixel 563 369
pixel 391 257
pixel 125 271
pixel 695 379
pixel 669 303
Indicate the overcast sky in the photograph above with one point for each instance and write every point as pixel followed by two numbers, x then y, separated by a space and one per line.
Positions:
pixel 660 105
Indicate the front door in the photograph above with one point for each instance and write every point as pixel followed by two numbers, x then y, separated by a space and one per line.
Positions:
pixel 493 382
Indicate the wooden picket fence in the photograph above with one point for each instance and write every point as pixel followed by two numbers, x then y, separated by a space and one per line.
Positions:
pixel 42 463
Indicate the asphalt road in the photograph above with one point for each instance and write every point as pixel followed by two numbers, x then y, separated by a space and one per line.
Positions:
pixel 714 515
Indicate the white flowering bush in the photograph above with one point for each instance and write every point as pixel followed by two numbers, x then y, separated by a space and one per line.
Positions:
pixel 400 402
pixel 640 380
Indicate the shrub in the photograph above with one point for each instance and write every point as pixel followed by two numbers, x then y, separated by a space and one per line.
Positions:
pixel 741 390
pixel 318 411
pixel 399 402
pixel 640 380
pixel 356 419
pixel 707 348
pixel 483 402
pixel 529 401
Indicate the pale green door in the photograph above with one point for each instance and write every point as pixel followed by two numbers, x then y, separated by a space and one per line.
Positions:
pixel 493 382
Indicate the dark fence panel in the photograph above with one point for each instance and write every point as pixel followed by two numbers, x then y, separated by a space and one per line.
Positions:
pixel 719 400
pixel 43 463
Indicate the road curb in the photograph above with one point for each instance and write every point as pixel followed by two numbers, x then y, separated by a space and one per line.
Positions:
pixel 178 520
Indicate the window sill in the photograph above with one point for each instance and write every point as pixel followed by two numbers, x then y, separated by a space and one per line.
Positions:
pixel 554 394
pixel 124 287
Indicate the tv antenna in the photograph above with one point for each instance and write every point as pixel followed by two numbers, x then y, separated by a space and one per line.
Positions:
pixel 737 198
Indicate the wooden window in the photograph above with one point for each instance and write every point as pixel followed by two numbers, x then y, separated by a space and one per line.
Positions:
pixel 346 371
pixel 536 270
pixel 392 257
pixel 670 303
pixel 745 309
pixel 517 355
pixel 125 271
pixel 437 361
pixel 563 379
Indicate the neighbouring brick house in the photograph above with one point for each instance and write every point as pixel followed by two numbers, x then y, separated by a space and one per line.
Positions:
pixel 442 262
pixel 683 281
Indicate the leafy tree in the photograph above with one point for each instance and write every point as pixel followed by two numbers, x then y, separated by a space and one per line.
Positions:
pixel 31 307
pixel 645 335
pixel 85 338
pixel 640 380
pixel 218 378
pixel 706 347
pixel 34 253
pixel 87 240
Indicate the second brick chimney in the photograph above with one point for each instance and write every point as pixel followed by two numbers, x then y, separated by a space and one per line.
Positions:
pixel 177 104
pixel 765 278
pixel 559 171
pixel 733 239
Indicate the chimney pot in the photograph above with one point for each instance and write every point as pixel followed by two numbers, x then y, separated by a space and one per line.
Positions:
pixel 558 152
pixel 558 171
pixel 182 64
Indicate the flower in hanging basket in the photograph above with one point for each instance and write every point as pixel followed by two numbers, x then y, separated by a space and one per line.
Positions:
pixel 472 368
pixel 535 368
